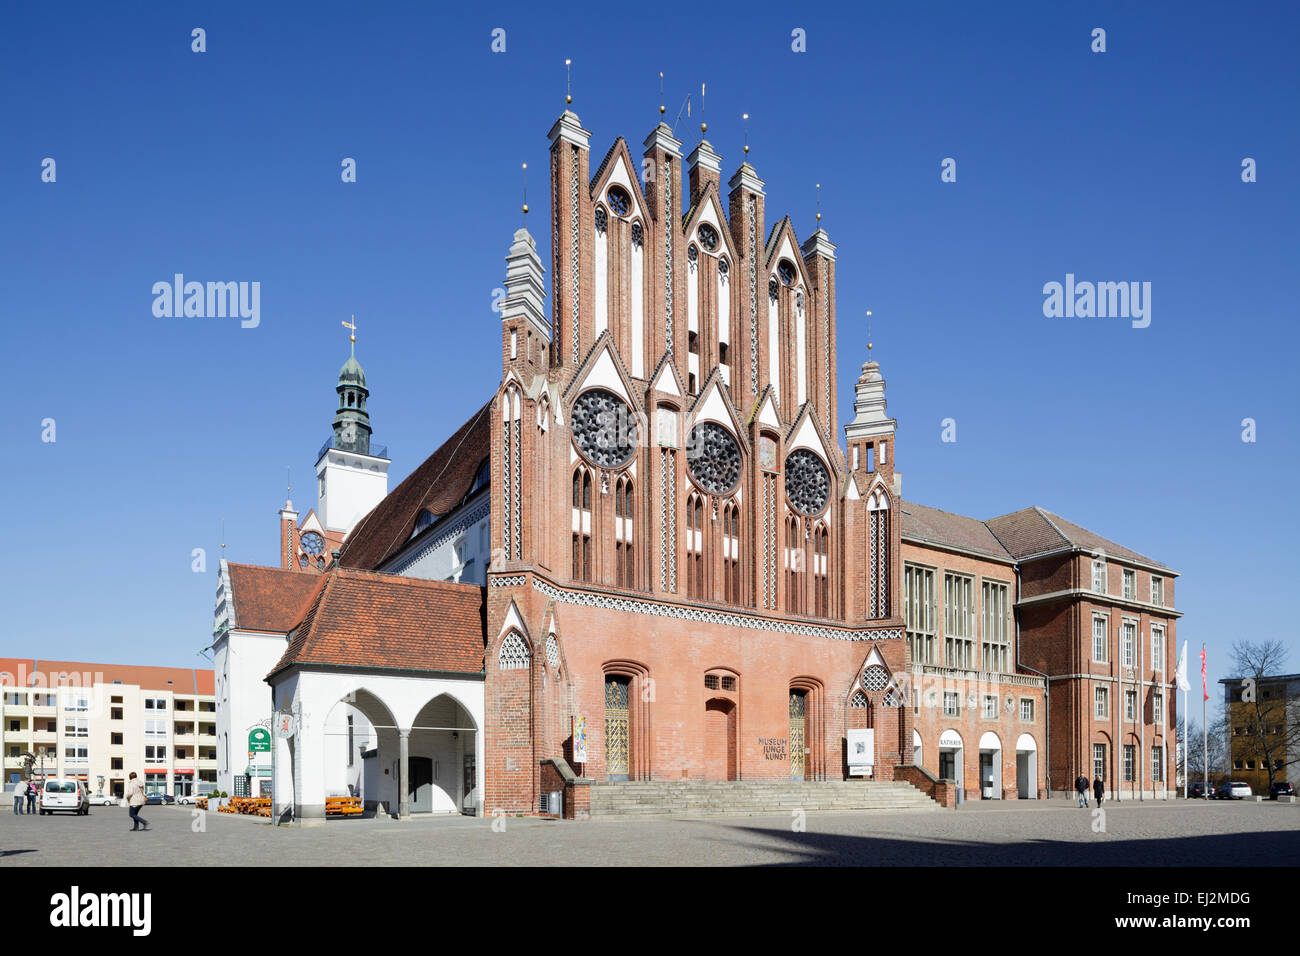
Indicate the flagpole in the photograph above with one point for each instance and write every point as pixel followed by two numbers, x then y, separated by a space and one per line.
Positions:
pixel 1186 768
pixel 1205 728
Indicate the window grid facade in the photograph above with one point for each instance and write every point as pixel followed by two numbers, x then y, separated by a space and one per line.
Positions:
pixel 997 627
pixel 958 620
pixel 918 605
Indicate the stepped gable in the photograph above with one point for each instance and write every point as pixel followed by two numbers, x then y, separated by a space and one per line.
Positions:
pixel 438 485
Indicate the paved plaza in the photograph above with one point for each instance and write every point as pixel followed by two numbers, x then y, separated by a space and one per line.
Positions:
pixel 1042 833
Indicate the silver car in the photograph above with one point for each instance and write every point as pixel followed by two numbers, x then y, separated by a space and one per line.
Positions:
pixel 66 796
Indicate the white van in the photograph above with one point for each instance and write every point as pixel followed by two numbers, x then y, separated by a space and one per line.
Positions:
pixel 66 795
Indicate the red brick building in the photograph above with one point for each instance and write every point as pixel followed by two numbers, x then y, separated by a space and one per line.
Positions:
pixel 687 577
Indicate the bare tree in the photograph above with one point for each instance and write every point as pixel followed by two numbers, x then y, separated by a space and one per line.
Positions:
pixel 1268 730
pixel 1193 750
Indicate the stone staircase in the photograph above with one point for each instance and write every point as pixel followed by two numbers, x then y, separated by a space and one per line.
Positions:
pixel 750 797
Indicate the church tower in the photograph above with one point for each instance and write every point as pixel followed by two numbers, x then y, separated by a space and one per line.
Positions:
pixel 350 478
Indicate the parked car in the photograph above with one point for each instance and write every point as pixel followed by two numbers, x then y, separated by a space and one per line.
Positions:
pixel 1234 790
pixel 186 799
pixel 68 796
pixel 1281 789
pixel 159 799
pixel 103 800
pixel 1199 791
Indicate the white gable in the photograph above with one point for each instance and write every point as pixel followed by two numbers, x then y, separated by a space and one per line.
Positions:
pixel 619 174
pixel 786 251
pixel 807 437
pixel 667 382
pixel 604 373
pixel 712 407
pixel 311 523
pixel 513 621
pixel 874 659
pixel 767 414
pixel 710 214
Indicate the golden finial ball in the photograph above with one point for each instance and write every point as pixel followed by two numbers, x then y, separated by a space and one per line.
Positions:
pixel 525 209
pixel 819 217
pixel 704 127
pixel 661 109
pixel 869 346
pixel 568 98
pixel 746 149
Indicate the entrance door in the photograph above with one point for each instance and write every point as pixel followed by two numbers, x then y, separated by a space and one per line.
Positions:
pixel 421 788
pixel 617 748
pixel 986 774
pixel 798 733
pixel 720 740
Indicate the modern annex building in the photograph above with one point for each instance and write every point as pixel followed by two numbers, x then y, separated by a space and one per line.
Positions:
pixel 647 556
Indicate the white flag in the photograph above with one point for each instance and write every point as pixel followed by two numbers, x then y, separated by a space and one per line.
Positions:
pixel 1181 673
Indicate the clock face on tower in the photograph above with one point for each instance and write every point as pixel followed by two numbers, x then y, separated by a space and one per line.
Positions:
pixel 313 543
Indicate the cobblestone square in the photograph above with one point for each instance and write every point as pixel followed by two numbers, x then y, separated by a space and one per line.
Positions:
pixel 1044 833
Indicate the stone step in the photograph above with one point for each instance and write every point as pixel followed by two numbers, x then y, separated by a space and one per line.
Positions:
pixel 749 797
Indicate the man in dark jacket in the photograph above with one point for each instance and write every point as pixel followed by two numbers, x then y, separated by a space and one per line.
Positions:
pixel 1081 786
pixel 1098 789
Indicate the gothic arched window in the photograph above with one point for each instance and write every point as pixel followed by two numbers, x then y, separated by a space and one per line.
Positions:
pixel 794 566
pixel 581 524
pixel 514 654
pixel 878 563
pixel 624 555
pixel 731 552
pixel 821 578
pixel 695 546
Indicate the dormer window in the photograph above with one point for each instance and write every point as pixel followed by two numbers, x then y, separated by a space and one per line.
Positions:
pixel 619 200
pixel 425 519
pixel 482 476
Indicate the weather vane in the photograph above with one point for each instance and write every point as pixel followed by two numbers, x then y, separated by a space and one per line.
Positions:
pixel 352 336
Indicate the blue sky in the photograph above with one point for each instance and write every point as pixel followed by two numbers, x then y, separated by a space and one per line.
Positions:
pixel 1115 166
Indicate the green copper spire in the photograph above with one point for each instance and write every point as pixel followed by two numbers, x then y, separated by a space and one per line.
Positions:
pixel 352 421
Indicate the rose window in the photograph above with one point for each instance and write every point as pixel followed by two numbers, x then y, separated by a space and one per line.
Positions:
pixel 603 428
pixel 807 483
pixel 713 458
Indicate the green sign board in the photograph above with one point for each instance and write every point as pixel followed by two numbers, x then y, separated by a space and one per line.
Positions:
pixel 259 740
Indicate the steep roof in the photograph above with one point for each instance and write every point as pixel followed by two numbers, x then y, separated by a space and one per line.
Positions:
pixel 943 528
pixel 437 485
pixel 1033 531
pixel 178 680
pixel 270 599
pixel 373 620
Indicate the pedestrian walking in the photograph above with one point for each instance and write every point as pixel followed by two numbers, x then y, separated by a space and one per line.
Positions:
pixel 1098 789
pixel 32 790
pixel 135 800
pixel 1081 786
pixel 20 796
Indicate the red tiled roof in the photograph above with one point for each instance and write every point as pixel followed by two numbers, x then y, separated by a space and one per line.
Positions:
pixel 270 599
pixel 931 526
pixel 1033 531
pixel 438 485
pixel 372 620
pixel 183 680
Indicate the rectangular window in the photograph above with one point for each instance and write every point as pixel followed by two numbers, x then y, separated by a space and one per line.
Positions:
pixel 1101 702
pixel 951 704
pixel 116 713
pixel 918 610
pixel 1099 761
pixel 1157 649
pixel 1130 705
pixel 1157 591
pixel 990 707
pixel 1027 709
pixel 997 626
pixel 1099 575
pixel 1129 753
pixel 1128 643
pixel 155 703
pixel 76 702
pixel 76 755
pixel 76 727
pixel 1130 585
pixel 958 620
pixel 351 740
pixel 1158 708
pixel 1099 640
pixel 115 763
pixel 1157 764
pixel 155 754
pixel 155 728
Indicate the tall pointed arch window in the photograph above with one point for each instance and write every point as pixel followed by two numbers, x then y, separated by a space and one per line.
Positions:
pixel 878 554
pixel 731 552
pixel 821 582
pixel 624 555
pixel 581 524
pixel 794 566
pixel 695 547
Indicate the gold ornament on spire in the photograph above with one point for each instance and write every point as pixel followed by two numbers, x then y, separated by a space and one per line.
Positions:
pixel 568 81
pixel 868 333
pixel 819 207
pixel 661 92
pixel 704 127
pixel 352 336
pixel 525 189
pixel 745 117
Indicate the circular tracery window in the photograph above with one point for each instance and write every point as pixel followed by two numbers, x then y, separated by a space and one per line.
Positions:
pixel 708 237
pixel 785 269
pixel 603 428
pixel 619 201
pixel 807 483
pixel 713 458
